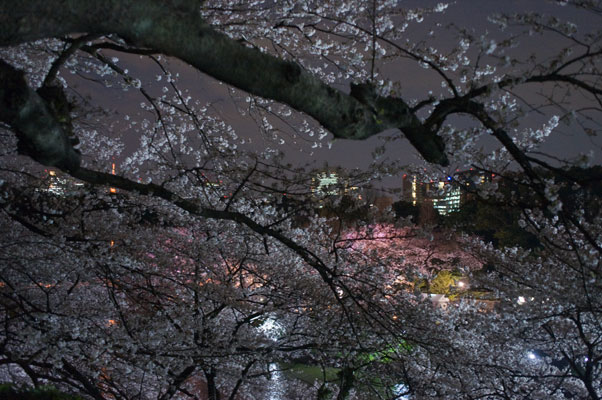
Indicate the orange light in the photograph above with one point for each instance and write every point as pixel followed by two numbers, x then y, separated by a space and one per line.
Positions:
pixel 113 190
pixel 112 243
pixel 207 280
pixel 112 322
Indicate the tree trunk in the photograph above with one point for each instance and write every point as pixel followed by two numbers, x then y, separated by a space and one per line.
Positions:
pixel 212 392
pixel 346 381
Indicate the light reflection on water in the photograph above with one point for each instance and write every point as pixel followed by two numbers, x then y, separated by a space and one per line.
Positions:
pixel 277 383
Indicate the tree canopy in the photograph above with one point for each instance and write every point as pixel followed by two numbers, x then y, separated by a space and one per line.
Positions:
pixel 164 253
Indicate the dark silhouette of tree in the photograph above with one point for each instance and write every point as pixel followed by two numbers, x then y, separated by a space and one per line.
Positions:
pixel 181 272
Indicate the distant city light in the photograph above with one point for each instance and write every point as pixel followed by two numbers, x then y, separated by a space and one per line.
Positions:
pixel 113 172
pixel 531 355
pixel 521 300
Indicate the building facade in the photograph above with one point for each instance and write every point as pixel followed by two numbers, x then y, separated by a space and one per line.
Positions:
pixel 446 195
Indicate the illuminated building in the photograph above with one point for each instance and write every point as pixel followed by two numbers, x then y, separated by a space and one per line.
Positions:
pixel 445 195
pixel 325 183
pixel 63 185
pixel 59 184
pixel 328 183
pixel 449 200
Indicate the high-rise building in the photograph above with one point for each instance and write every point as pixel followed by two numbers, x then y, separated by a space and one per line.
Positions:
pixel 445 195
pixel 331 183
pixel 325 183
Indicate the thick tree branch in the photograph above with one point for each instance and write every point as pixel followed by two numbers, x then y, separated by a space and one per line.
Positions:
pixel 467 106
pixel 40 135
pixel 179 32
pixel 91 389
pixel 178 380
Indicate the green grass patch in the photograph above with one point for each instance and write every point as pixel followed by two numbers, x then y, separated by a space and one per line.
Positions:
pixel 10 392
pixel 309 373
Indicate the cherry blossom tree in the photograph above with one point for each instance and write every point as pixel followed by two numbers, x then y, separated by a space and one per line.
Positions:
pixel 186 274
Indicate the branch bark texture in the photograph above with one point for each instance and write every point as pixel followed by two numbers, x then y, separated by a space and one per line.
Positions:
pixel 39 133
pixel 176 29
